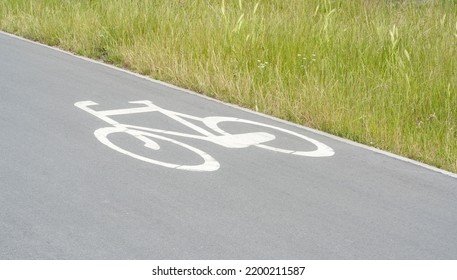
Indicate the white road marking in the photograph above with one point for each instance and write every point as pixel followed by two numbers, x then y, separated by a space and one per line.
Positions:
pixel 227 140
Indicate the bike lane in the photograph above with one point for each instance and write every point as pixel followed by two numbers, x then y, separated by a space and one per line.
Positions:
pixel 66 195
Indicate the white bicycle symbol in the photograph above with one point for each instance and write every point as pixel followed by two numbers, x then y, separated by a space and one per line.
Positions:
pixel 216 135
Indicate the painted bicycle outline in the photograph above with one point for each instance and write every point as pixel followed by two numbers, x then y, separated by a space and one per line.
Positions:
pixel 221 137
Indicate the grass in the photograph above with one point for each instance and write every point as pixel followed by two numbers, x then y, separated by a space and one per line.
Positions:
pixel 383 73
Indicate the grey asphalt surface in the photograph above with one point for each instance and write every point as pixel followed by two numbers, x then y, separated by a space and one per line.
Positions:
pixel 65 195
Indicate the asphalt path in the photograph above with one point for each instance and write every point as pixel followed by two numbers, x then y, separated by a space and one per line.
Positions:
pixel 66 195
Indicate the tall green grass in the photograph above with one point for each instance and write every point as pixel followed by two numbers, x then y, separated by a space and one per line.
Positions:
pixel 380 72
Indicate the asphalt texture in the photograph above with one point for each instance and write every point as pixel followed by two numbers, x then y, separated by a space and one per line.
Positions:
pixel 65 195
